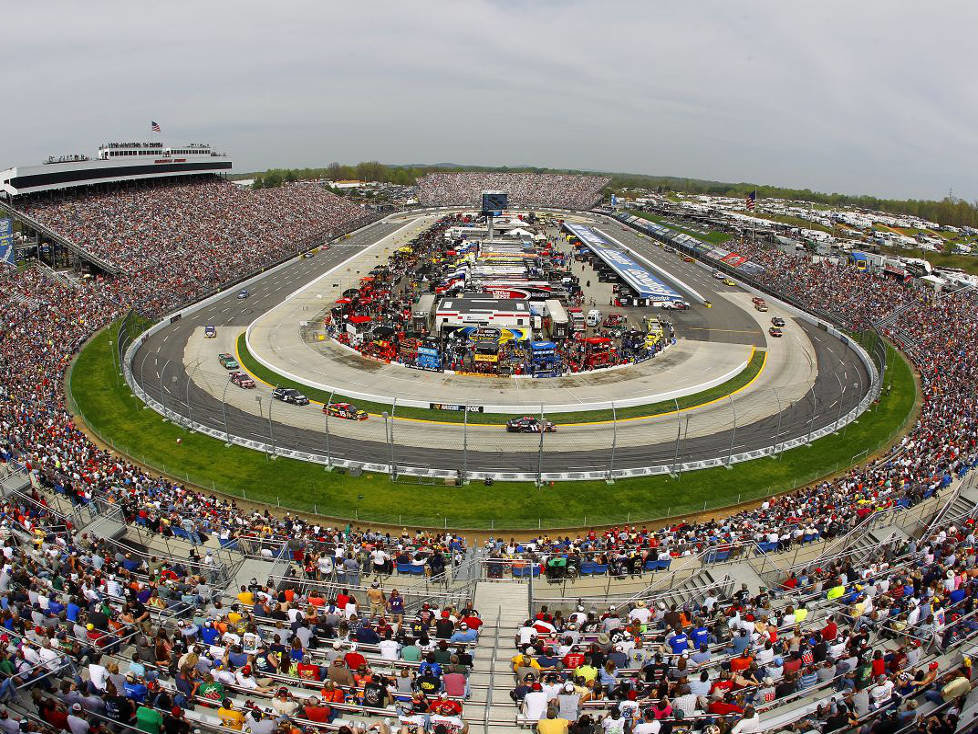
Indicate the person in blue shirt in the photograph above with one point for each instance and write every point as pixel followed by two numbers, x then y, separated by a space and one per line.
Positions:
pixel 739 643
pixel 679 642
pixel 71 611
pixel 135 689
pixel 700 636
pixel 209 634
pixel 464 634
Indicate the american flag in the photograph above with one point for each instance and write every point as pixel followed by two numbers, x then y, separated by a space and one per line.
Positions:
pixel 154 126
pixel 751 199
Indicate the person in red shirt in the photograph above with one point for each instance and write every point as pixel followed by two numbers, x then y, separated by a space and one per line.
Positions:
pixel 473 621
pixel 342 599
pixel 741 662
pixel 573 659
pixel 314 710
pixel 830 631
pixel 308 671
pixel 353 659
pixel 445 706
pixel 727 705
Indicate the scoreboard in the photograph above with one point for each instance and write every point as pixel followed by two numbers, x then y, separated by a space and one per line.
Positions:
pixel 494 201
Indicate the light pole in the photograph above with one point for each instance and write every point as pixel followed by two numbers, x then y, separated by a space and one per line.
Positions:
pixel 271 435
pixel 842 397
pixel 777 432
pixel 679 433
pixel 733 434
pixel 190 412
pixel 811 421
pixel 465 445
pixel 614 442
pixel 393 460
pixel 163 389
pixel 141 363
pixel 224 408
pixel 329 457
pixel 543 429
pixel 387 437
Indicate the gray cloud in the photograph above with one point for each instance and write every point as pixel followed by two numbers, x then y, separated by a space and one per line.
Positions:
pixel 869 97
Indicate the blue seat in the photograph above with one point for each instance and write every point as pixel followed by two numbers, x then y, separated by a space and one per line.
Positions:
pixel 766 547
pixel 590 568
pixel 522 572
pixel 717 556
pixel 663 564
pixel 957 595
pixel 651 565
pixel 410 569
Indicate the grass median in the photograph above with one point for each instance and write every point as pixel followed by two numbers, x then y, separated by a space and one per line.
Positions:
pixel 100 397
pixel 734 384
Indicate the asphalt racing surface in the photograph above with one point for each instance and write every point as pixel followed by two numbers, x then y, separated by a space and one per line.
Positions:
pixel 841 381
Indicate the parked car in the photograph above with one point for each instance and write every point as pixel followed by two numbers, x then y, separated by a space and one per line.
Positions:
pixel 529 424
pixel 290 395
pixel 345 410
pixel 227 361
pixel 210 331
pixel 242 380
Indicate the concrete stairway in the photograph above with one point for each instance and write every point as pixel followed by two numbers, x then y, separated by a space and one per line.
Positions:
pixel 504 607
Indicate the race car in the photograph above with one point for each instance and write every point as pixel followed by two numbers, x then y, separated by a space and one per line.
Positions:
pixel 777 321
pixel 728 281
pixel 243 293
pixel 757 299
pixel 688 259
pixel 676 305
pixel 227 361
pixel 242 380
pixel 717 275
pixel 345 410
pixel 775 331
pixel 529 424
pixel 289 395
pixel 762 307
pixel 210 331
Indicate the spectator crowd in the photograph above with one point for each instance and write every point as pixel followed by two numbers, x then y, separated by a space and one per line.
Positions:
pixel 564 191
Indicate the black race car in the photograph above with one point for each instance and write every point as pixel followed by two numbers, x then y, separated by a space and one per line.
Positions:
pixel 529 424
pixel 288 395
pixel 777 321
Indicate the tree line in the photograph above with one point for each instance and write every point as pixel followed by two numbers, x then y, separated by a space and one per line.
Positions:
pixel 949 210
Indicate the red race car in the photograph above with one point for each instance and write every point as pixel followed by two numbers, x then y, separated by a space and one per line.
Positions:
pixel 242 380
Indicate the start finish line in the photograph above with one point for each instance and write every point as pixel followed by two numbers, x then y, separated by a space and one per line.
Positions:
pixel 637 277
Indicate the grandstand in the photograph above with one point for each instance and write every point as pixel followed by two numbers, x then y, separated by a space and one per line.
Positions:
pixel 563 191
pixel 130 600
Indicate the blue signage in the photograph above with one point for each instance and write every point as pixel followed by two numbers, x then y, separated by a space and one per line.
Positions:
pixel 7 240
pixel 640 279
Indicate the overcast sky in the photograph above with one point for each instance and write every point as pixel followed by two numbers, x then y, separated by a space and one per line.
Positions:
pixel 860 97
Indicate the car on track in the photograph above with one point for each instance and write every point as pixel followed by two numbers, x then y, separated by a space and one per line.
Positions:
pixel 210 331
pixel 717 275
pixel 728 281
pixel 345 410
pixel 242 380
pixel 762 307
pixel 688 259
pixel 775 331
pixel 227 361
pixel 757 299
pixel 777 321
pixel 529 424
pixel 242 294
pixel 290 395
pixel 676 305
pixel 311 253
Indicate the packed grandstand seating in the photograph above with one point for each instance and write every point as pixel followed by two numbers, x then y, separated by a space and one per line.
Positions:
pixel 94 638
pixel 565 191
pixel 188 237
